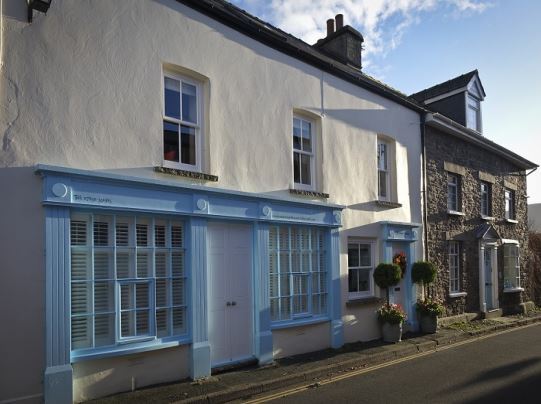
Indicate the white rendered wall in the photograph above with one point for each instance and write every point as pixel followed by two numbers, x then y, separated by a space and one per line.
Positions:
pixel 82 87
pixel 299 340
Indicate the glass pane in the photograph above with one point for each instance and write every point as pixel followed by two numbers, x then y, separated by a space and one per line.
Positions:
pixel 179 320
pixel 187 148
pixel 161 293
pixel 284 263
pixel 80 265
pixel 122 234
pixel 170 141
pixel 127 297
pixel 300 304
pixel 103 265
pixel 285 308
pixel 382 156
pixel 284 239
pixel 295 262
pixel 273 263
pixel 284 285
pixel 382 184
pixel 176 236
pixel 274 309
pixel 296 134
pixel 178 264
pixel 80 297
pixel 353 280
pixel 141 295
pixel 305 262
pixel 162 321
pixel 273 286
pixel 159 236
pixel 104 329
pixel 364 250
pixel 306 177
pixel 78 232
pixel 306 136
pixel 127 324
pixel 144 269
pixel 189 103
pixel 160 261
pixel 104 297
pixel 353 255
pixel 172 97
pixel 143 324
pixel 296 168
pixel 80 332
pixel 364 280
pixel 101 233
pixel 178 292
pixel 124 264
pixel 142 235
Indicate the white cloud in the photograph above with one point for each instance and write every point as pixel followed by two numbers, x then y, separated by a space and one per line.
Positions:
pixel 382 22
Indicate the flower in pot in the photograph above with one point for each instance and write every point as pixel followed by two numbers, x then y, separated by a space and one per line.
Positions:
pixel 424 273
pixel 429 310
pixel 390 315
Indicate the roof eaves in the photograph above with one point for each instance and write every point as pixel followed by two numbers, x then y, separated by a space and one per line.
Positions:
pixel 448 125
pixel 269 35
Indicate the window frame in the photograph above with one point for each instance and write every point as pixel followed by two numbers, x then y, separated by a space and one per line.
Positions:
pixel 470 99
pixel 277 321
pixel 488 196
pixel 509 198
pixel 371 292
pixel 387 170
pixel 129 343
pixel 456 185
pixel 312 154
pixel 198 126
pixel 453 254
pixel 515 269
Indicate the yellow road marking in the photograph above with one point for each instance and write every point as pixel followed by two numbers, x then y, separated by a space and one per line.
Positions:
pixel 353 373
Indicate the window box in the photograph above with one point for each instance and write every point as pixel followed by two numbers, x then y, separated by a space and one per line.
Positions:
pixel 455 213
pixel 487 218
pixel 388 204
pixel 457 294
pixel 512 221
pixel 513 290
pixel 312 194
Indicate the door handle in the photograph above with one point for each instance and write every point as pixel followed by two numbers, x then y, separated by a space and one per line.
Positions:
pixel 228 304
pixel 488 284
pixel 233 303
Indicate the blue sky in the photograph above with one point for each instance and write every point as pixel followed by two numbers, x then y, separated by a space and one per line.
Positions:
pixel 413 44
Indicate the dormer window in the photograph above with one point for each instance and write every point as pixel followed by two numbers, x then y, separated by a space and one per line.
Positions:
pixel 473 113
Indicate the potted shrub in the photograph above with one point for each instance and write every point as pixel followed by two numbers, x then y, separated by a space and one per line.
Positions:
pixel 390 315
pixel 429 310
pixel 424 273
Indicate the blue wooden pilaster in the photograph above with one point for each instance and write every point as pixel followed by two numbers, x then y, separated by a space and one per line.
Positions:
pixel 58 372
pixel 264 351
pixel 411 291
pixel 200 353
pixel 335 295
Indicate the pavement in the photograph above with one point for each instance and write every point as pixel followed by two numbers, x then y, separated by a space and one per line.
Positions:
pixel 314 368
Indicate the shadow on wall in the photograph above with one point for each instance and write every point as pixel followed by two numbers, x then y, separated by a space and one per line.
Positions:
pixel 16 10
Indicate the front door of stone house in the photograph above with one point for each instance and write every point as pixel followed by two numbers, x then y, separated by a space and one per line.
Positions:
pixel 490 279
pixel 230 293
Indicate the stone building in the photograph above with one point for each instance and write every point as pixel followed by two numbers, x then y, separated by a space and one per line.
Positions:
pixel 476 206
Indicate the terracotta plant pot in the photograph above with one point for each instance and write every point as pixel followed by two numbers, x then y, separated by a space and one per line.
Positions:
pixel 392 332
pixel 429 324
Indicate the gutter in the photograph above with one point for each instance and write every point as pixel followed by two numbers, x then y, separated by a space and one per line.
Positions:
pixel 424 189
pixel 451 127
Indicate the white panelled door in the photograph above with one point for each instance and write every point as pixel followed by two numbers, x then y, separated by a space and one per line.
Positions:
pixel 230 293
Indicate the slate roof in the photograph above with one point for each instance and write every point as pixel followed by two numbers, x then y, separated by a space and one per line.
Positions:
pixel 446 87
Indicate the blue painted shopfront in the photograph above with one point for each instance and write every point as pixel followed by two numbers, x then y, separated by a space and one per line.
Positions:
pixel 67 191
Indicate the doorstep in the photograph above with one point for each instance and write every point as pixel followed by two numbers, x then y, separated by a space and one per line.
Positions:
pixel 303 369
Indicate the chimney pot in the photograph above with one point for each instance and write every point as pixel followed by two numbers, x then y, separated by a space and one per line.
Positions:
pixel 330 26
pixel 339 21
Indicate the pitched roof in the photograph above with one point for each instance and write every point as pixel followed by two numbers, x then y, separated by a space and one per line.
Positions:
pixel 445 87
pixel 261 31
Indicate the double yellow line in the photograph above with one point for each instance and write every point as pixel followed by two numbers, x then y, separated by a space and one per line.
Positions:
pixel 358 372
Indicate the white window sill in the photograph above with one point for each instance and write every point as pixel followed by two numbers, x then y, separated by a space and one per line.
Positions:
pixel 455 213
pixel 511 221
pixel 356 300
pixel 458 294
pixel 487 218
pixel 513 290
pixel 299 323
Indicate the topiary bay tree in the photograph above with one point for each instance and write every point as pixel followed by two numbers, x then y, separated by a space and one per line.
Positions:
pixel 386 276
pixel 423 273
